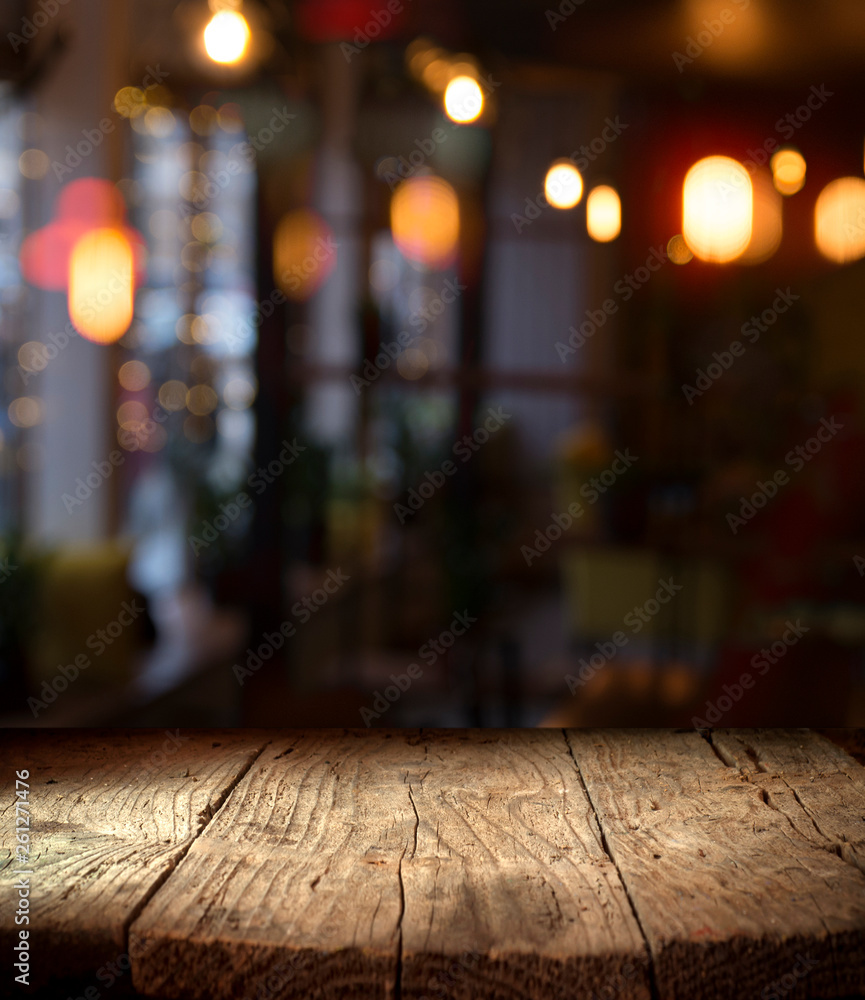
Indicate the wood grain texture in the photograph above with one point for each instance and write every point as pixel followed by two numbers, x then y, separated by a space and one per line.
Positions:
pixel 296 881
pixel 445 865
pixel 509 893
pixel 730 895
pixel 112 813
pixel 818 787
pixel 463 864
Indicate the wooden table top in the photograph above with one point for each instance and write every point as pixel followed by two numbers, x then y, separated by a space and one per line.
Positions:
pixel 443 864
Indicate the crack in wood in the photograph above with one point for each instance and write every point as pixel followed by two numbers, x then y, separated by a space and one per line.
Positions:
pixel 397 988
pixel 829 843
pixel 137 909
pixel 555 884
pixel 399 957
pixel 650 965
pixel 706 734
pixel 416 820
pixel 839 848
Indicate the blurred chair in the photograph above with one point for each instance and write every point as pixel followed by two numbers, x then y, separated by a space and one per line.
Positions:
pixel 656 676
pixel 87 608
pixel 603 587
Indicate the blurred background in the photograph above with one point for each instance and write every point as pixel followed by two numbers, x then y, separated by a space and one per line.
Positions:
pixel 400 362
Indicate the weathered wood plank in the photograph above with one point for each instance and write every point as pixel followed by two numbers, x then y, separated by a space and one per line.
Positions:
pixel 342 863
pixel 730 896
pixel 295 883
pixel 509 893
pixel 111 814
pixel 818 787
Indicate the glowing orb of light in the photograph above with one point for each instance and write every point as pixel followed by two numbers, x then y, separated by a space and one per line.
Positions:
pixel 101 285
pixel 563 185
pixel 464 100
pixel 425 221
pixel 839 220
pixel 603 214
pixel 226 37
pixel 788 171
pixel 717 209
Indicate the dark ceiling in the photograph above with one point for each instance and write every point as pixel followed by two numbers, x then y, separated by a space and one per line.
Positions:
pixel 780 42
pixel 765 43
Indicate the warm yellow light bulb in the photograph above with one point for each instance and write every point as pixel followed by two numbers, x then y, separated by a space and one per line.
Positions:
pixel 603 214
pixel 226 37
pixel 563 185
pixel 101 285
pixel 839 220
pixel 717 209
pixel 464 100
pixel 788 171
pixel 425 221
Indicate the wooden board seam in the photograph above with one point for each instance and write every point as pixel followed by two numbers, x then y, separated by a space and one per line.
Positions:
pixel 206 816
pixel 650 967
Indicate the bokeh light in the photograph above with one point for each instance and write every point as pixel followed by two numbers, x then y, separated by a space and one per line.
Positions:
pixel 412 363
pixel 226 37
pixel 83 206
pixel 205 328
pixel 563 185
pixel 603 214
pixel 203 119
pixel 132 414
pixel 238 394
pixel 134 376
pixel 26 411
pixel 159 122
pixel 464 100
pixel 717 209
pixel 130 102
pixel 172 395
pixel 206 227
pixel 33 164
pixel 201 400
pixel 788 171
pixel 435 74
pixel 839 220
pixel 101 284
pixel 678 250
pixel 425 221
pixel 33 356
pixel 304 253
pixel 743 35
pixel 183 328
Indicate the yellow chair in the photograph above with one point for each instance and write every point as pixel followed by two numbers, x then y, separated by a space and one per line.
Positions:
pixel 87 609
pixel 604 585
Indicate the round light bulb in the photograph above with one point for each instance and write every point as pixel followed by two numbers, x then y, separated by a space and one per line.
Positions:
pixel 226 37
pixel 563 185
pixel 464 100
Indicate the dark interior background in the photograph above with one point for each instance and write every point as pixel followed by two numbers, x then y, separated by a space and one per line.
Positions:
pixel 258 367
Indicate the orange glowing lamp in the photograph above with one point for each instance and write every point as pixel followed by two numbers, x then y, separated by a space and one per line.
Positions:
pixel 425 221
pixel 89 252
